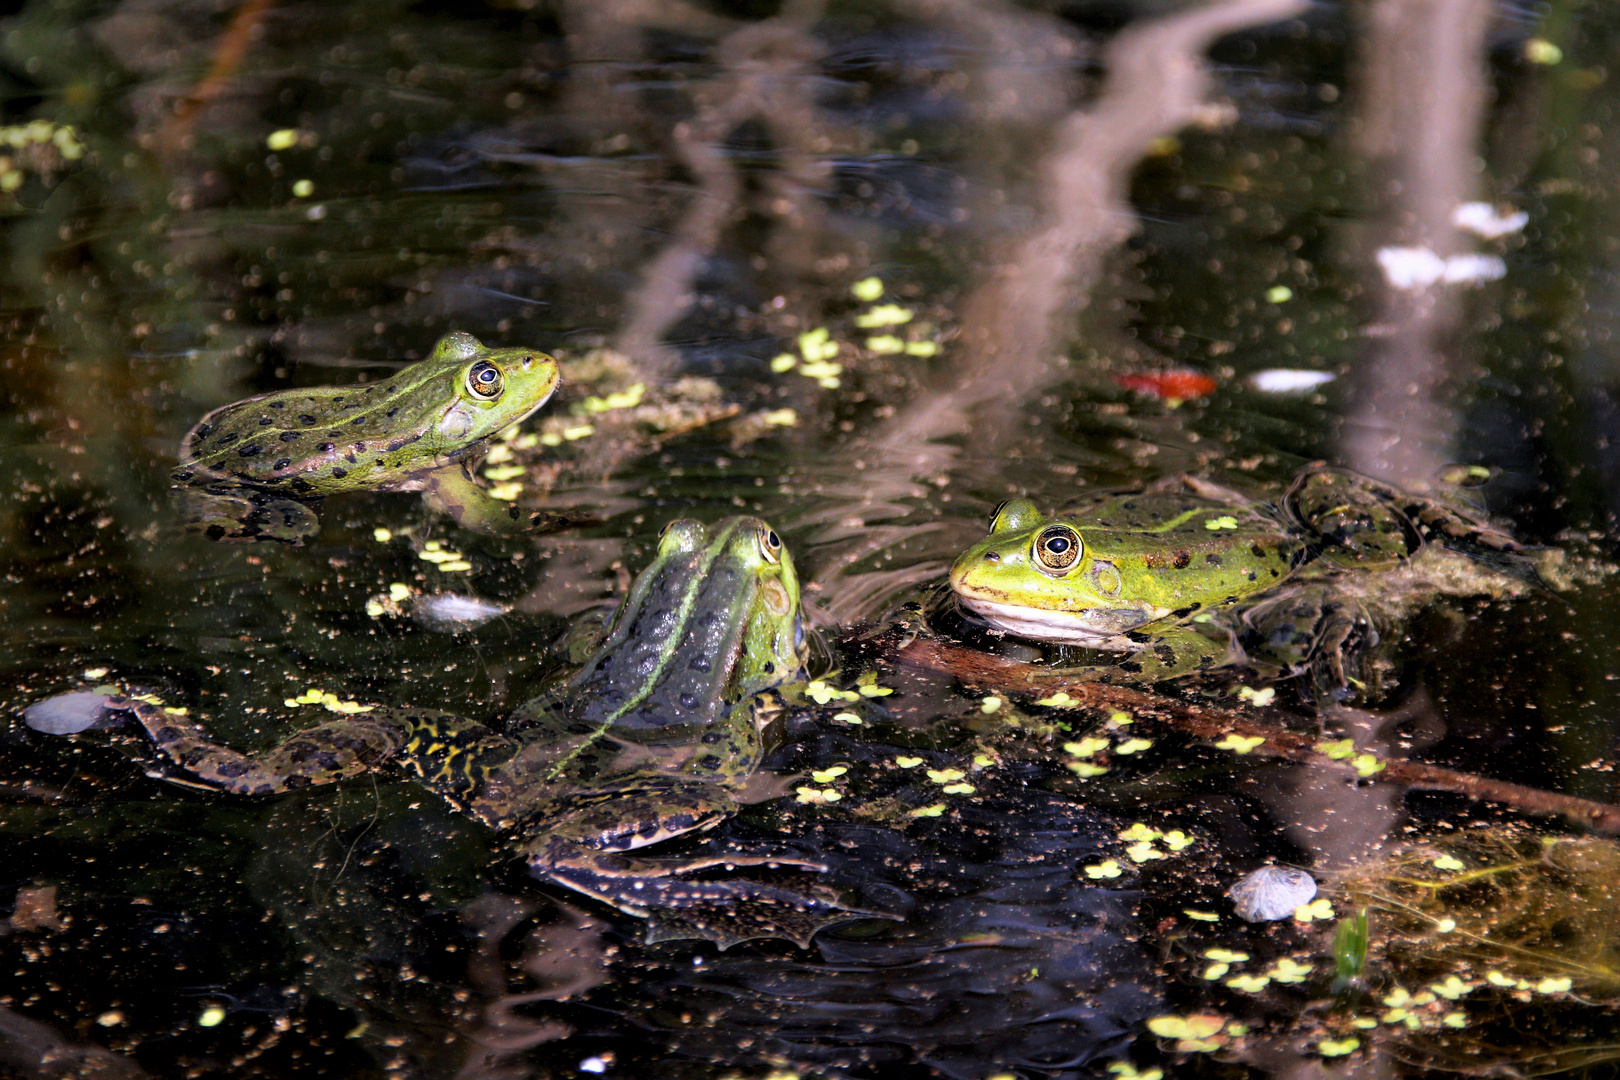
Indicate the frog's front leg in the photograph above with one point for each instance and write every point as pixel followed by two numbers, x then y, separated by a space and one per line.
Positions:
pixel 452 491
pixel 1177 651
pixel 585 851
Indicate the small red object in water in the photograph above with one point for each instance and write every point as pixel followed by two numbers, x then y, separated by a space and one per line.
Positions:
pixel 1179 385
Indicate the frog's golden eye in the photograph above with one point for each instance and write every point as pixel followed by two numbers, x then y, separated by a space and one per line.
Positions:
pixel 484 380
pixel 1057 547
pixel 770 545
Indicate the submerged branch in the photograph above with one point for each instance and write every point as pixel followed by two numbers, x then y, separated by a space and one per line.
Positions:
pixel 980 669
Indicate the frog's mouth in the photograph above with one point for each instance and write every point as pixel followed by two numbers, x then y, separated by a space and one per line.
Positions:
pixel 1093 628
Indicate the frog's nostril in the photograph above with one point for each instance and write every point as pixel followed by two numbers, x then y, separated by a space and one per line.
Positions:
pixel 991 556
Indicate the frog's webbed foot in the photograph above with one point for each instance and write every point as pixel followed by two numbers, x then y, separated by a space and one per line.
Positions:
pixel 451 491
pixel 722 911
pixel 231 514
pixel 1315 629
pixel 317 755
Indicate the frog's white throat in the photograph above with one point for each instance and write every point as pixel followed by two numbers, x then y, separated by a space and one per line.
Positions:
pixel 1093 628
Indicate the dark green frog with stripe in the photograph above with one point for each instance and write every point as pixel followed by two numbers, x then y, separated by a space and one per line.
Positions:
pixel 652 739
pixel 251 469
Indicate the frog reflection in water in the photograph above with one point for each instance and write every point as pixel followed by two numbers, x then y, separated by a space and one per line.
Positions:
pixel 246 466
pixel 1175 575
pixel 650 740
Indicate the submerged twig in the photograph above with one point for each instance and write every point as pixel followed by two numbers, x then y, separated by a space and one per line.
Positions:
pixel 985 670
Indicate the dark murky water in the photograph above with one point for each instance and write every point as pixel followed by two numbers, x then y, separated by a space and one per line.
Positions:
pixel 1089 211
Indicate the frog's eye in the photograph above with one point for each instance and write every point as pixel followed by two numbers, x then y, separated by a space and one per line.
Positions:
pixel 484 380
pixel 770 545
pixel 1057 547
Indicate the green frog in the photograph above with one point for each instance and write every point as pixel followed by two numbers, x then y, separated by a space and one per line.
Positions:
pixel 652 739
pixel 1179 576
pixel 250 468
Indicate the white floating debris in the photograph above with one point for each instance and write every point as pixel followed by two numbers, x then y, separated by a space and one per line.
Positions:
pixel 66 714
pixel 593 1065
pixel 1413 268
pixel 1483 219
pixel 1469 269
pixel 1271 893
pixel 455 611
pixel 1288 380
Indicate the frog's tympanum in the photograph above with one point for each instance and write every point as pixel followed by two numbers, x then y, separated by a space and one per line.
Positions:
pixel 250 468
pixel 1182 575
pixel 651 739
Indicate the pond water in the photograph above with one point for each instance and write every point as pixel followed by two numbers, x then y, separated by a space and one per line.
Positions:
pixel 864 271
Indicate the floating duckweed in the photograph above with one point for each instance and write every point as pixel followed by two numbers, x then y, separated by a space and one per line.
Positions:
pixel 1455 1020
pixel 819 692
pixel 1086 747
pixel 506 492
pixel 908 762
pixel 551 438
pixel 1279 294
pixel 375 608
pixel 1541 51
pixel 303 189
pixel 628 398
pixel 1085 769
pixel 867 289
pixel 1338 1047
pixel 502 473
pixel 1447 862
pixel 1445 926
pixel 1119 719
pixel 945 776
pixel 1554 986
pixel 212 1016
pixel 1127 1071
pixel 885 345
pixel 1367 765
pixel 1143 852
pixel 1318 909
pixel 1059 700
pixel 929 811
pixel 1215 971
pixel 989 704
pixel 1397 997
pixel 1225 521
pixel 1195 1026
pixel 1139 831
pixel 883 315
pixel 1338 751
pixel 817 345
pixel 783 362
pixel 848 718
pixel 922 349
pixel 455 566
pixel 1365 1023
pixel 578 431
pixel 782 418
pixel 499 454
pixel 95 673
pixel 284 139
pixel 818 795
pixel 381 535
pixel 528 440
pixel 1133 746
pixel 1257 697
pixel 872 690
pixel 150 699
pixel 316 696
pixel 827 776
pixel 1225 956
pixel 958 789
pixel 175 710
pixel 1201 916
pixel 1108 869
pixel 984 761
pixel 1249 984
pixel 1240 744
pixel 398 591
pixel 1176 840
pixel 1451 989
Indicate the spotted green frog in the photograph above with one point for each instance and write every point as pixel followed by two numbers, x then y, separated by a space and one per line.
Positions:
pixel 652 739
pixel 250 468
pixel 1178 577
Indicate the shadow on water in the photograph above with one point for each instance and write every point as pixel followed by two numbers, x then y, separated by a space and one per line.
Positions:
pixel 865 271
